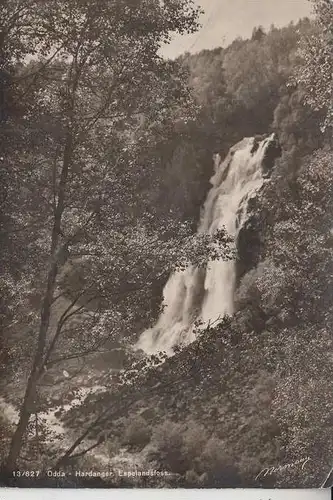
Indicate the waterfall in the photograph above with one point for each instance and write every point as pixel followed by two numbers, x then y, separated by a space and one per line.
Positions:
pixel 208 294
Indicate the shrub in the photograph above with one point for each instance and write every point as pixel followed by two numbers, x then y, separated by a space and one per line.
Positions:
pixel 178 446
pixel 168 447
pixel 137 433
pixel 217 466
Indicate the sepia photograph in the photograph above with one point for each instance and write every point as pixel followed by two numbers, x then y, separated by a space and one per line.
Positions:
pixel 166 246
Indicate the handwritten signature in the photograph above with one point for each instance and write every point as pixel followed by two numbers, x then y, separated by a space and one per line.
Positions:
pixel 268 471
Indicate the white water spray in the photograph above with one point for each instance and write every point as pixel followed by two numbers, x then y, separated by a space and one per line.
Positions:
pixel 208 294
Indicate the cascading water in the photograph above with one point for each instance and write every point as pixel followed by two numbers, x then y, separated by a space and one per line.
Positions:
pixel 208 294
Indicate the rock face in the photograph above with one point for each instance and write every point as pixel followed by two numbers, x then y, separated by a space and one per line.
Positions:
pixel 249 243
pixel 249 240
pixel 273 152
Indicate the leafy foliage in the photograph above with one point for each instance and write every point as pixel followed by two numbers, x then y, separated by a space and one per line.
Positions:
pixel 95 94
pixel 317 51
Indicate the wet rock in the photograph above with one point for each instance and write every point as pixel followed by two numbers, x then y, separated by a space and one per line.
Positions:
pixel 273 152
pixel 249 241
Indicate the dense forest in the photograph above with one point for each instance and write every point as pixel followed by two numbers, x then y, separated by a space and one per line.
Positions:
pixel 106 156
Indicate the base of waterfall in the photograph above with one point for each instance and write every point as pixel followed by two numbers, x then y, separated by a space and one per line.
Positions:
pixel 207 295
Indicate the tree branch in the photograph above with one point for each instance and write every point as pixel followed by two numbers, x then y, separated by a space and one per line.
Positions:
pixel 105 414
pixel 92 447
pixel 62 320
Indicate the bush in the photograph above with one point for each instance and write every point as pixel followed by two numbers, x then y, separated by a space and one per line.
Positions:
pixel 177 447
pixel 188 450
pixel 168 447
pixel 217 466
pixel 137 434
pixel 194 440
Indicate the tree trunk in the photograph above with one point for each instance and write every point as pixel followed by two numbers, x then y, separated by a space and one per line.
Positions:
pixel 26 411
pixel 29 401
pixel 28 405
